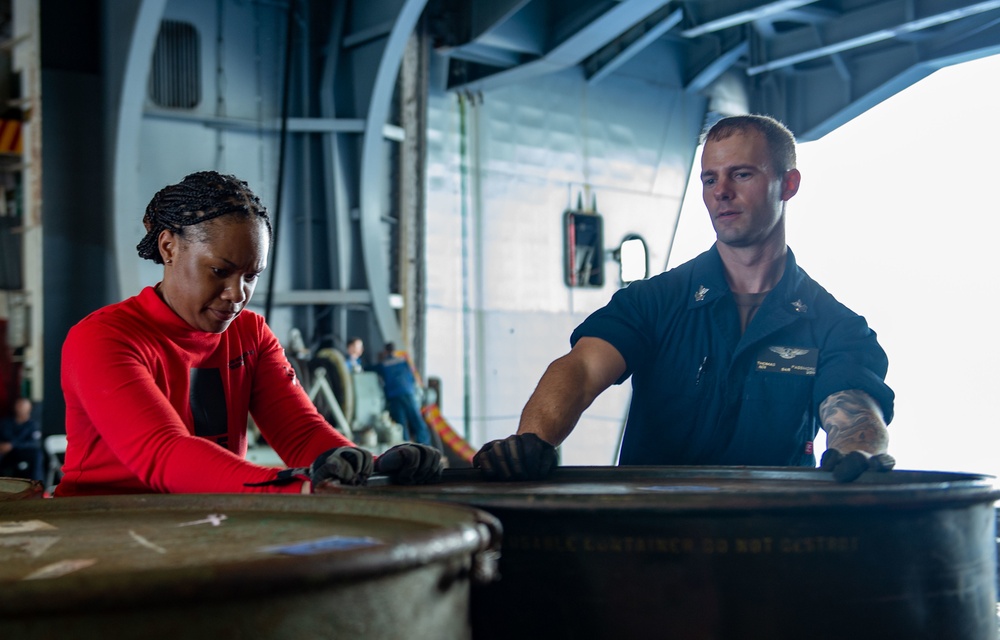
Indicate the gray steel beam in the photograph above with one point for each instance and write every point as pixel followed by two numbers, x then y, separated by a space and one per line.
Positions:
pixel 487 15
pixel 629 44
pixel 820 100
pixel 338 239
pixel 320 297
pixel 364 36
pixel 294 125
pixel 717 67
pixel 872 24
pixel 574 48
pixel 371 178
pixel 487 54
pixel 745 15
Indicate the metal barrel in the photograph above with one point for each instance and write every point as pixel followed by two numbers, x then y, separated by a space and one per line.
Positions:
pixel 240 566
pixel 734 552
pixel 20 489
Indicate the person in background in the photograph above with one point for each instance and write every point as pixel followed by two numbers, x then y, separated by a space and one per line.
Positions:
pixel 400 387
pixel 21 444
pixel 737 357
pixel 355 349
pixel 158 387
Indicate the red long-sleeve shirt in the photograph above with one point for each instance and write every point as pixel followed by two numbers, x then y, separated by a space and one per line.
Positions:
pixel 153 405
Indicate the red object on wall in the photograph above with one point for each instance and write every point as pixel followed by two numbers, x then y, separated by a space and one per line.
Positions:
pixel 455 443
pixel 10 137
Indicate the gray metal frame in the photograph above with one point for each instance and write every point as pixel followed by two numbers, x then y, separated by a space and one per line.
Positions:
pixel 374 55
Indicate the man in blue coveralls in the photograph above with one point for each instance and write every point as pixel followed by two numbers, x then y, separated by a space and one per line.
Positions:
pixel 737 357
pixel 400 387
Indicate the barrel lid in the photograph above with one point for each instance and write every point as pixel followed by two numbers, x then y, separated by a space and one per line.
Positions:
pixel 76 553
pixel 706 488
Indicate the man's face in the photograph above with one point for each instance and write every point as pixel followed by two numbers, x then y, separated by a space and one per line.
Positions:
pixel 209 282
pixel 744 195
pixel 22 410
pixel 355 349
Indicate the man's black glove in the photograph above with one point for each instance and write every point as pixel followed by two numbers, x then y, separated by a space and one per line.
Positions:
pixel 517 457
pixel 410 463
pixel 847 468
pixel 344 465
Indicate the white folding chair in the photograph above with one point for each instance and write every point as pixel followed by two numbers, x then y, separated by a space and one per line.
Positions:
pixel 55 448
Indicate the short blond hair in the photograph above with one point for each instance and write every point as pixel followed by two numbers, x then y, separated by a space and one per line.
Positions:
pixel 780 140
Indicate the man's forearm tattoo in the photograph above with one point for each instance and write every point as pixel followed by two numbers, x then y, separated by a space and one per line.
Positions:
pixel 852 420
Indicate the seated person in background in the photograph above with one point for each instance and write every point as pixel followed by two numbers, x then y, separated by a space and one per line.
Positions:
pixel 21 444
pixel 158 387
pixel 737 357
pixel 355 349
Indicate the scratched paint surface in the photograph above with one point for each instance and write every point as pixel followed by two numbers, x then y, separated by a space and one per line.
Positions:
pixel 52 539
pixel 203 566
pixel 151 539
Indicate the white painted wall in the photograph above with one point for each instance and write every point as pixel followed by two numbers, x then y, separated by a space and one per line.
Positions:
pixel 500 313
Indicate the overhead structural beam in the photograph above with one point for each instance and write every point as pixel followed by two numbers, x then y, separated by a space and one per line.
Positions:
pixel 484 54
pixel 367 35
pixel 494 33
pixel 869 33
pixel 717 67
pixel 487 15
pixel 598 33
pixel 977 41
pixel 743 17
pixel 360 297
pixel 629 44
pixel 294 125
pixel 577 47
pixel 371 179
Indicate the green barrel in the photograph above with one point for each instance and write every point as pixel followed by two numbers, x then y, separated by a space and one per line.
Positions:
pixel 241 566
pixel 734 552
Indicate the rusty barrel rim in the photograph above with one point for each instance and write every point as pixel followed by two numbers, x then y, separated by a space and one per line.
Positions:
pixel 682 489
pixel 20 489
pixel 719 552
pixel 432 532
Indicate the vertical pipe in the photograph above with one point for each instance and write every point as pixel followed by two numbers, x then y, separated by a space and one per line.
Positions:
pixel 281 158
pixel 338 230
pixel 220 98
pixel 463 153
pixel 413 174
pixel 478 405
pixel 305 265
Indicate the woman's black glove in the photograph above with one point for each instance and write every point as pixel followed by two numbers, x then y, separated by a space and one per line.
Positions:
pixel 517 457
pixel 848 467
pixel 344 465
pixel 411 463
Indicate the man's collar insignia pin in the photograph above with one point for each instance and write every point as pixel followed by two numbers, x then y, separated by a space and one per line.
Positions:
pixel 699 295
pixel 800 306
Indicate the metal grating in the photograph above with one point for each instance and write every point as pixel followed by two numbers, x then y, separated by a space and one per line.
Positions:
pixel 175 76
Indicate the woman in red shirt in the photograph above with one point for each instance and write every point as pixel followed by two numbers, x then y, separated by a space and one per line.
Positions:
pixel 158 387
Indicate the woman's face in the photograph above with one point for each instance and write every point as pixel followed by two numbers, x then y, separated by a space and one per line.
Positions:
pixel 210 274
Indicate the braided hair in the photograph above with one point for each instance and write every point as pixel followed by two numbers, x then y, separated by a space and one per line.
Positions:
pixel 199 197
